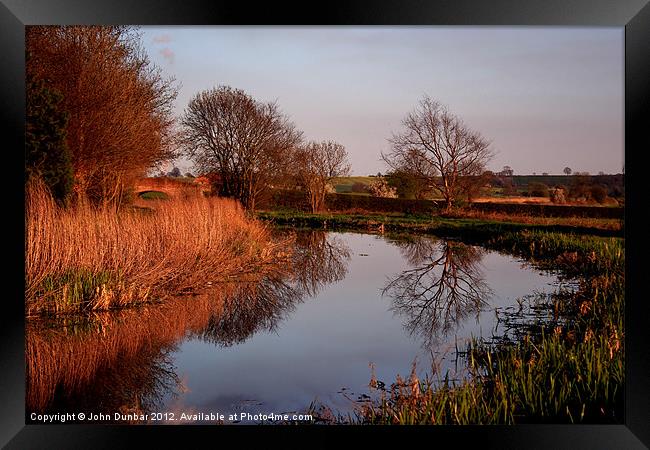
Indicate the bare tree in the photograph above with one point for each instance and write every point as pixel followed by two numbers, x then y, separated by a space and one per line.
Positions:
pixel 319 259
pixel 567 171
pixel 507 171
pixel 438 147
pixel 246 142
pixel 318 163
pixel 119 105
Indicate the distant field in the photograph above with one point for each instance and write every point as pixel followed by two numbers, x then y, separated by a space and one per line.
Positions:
pixel 558 180
pixel 344 184
pixel 549 180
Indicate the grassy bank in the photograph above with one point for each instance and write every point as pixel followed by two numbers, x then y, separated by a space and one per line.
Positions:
pixel 564 359
pixel 562 363
pixel 85 258
pixel 453 226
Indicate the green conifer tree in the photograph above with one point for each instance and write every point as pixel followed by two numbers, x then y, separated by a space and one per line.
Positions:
pixel 46 152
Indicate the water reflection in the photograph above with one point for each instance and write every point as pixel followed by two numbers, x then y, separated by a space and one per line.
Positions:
pixel 169 356
pixel 255 307
pixel 318 260
pixel 110 362
pixel 119 361
pixel 445 286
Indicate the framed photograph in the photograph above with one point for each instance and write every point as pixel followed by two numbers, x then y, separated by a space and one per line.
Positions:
pixel 362 219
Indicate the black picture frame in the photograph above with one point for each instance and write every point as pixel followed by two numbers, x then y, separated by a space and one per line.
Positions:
pixel 633 15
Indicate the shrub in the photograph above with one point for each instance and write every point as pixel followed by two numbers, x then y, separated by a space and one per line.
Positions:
pixel 509 189
pixel 154 195
pixel 407 185
pixel 558 196
pixel 360 188
pixel 580 187
pixel 598 193
pixel 538 190
pixel 46 153
pixel 380 188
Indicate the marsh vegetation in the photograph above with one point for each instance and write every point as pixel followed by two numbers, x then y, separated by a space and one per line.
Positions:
pixel 398 299
pixel 87 257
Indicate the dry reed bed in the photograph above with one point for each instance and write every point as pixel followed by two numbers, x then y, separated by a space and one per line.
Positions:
pixel 85 258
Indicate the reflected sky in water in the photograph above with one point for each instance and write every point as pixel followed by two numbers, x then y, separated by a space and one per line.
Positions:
pixel 327 341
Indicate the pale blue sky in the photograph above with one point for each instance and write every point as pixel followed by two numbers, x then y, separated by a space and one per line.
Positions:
pixel 547 97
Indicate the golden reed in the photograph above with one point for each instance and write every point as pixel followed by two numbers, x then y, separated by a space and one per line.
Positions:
pixel 85 258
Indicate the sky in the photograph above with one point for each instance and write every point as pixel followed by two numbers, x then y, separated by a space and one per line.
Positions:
pixel 545 97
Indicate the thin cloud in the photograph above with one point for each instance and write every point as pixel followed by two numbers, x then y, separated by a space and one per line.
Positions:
pixel 168 54
pixel 162 39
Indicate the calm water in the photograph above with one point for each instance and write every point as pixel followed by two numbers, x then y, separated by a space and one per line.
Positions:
pixel 275 347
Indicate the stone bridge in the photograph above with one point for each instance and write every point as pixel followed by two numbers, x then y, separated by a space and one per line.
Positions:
pixel 172 187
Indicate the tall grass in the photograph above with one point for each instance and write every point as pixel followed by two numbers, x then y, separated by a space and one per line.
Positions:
pixel 89 258
pixel 546 381
pixel 575 255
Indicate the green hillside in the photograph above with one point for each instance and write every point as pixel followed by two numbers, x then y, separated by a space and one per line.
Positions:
pixel 344 184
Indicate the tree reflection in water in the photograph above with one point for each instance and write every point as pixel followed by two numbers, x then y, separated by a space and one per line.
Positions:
pixel 442 289
pixel 120 361
pixel 318 260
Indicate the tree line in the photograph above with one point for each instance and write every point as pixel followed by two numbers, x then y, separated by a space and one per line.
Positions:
pixel 99 115
pixel 251 145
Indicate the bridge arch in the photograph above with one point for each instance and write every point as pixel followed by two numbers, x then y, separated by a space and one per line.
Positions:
pixel 169 186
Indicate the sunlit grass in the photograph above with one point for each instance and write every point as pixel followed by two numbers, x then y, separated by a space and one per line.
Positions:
pixel 88 258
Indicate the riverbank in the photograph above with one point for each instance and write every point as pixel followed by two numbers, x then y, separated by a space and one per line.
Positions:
pixel 84 258
pixel 473 226
pixel 561 360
